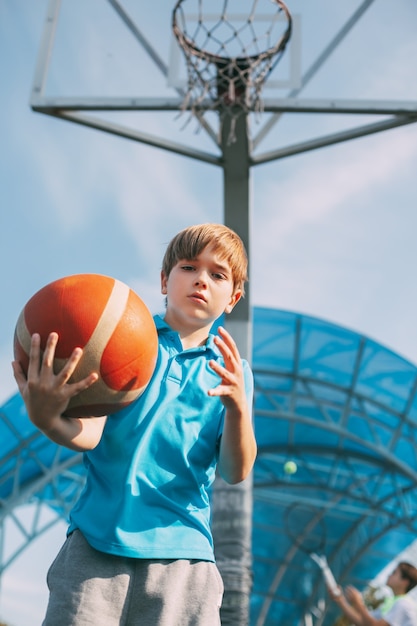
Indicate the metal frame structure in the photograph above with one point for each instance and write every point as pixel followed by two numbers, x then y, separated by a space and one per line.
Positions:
pixel 344 409
pixel 74 109
pixel 237 160
pixel 33 472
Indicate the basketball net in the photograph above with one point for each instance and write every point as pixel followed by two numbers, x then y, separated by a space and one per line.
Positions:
pixel 229 57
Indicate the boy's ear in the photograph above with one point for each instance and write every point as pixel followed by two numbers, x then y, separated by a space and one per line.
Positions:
pixel 233 301
pixel 164 280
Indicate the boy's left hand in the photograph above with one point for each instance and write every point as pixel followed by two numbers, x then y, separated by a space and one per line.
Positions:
pixel 238 446
pixel 232 386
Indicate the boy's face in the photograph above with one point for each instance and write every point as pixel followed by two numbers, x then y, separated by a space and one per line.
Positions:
pixel 396 581
pixel 199 291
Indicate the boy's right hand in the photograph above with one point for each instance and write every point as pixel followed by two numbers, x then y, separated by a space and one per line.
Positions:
pixel 46 394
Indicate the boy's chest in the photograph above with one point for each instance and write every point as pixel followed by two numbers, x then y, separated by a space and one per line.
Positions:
pixel 187 369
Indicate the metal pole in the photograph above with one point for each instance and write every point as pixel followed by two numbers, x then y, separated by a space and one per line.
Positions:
pixel 232 505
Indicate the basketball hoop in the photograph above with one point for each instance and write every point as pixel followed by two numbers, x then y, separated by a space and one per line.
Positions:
pixel 229 57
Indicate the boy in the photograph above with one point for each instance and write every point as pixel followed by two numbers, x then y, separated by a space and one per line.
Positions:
pixel 139 547
pixel 397 610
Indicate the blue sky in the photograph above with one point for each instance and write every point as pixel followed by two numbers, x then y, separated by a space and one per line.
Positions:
pixel 333 230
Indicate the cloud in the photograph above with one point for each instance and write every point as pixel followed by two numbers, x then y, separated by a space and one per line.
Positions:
pixel 343 220
pixel 334 178
pixel 25 578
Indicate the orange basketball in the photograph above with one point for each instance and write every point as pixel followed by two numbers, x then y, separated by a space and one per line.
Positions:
pixel 113 326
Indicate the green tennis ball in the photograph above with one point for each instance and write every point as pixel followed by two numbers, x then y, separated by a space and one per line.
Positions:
pixel 290 467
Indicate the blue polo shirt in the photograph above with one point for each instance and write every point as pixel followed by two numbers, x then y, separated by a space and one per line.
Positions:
pixel 146 493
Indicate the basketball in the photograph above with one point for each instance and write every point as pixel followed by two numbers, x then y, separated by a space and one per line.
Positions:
pixel 110 322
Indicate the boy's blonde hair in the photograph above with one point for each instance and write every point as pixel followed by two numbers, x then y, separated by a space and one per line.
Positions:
pixel 191 241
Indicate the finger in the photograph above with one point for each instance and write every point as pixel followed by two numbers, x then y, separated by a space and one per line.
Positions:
pixel 227 345
pixel 226 384
pixel 229 356
pixel 220 370
pixel 34 356
pixel 19 374
pixel 225 351
pixel 220 390
pixel 228 340
pixel 67 371
pixel 86 382
pixel 49 354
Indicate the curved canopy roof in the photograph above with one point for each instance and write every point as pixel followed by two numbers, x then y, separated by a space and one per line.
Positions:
pixel 344 409
pixel 337 404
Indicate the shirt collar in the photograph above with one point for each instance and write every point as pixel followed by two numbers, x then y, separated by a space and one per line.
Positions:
pixel 164 329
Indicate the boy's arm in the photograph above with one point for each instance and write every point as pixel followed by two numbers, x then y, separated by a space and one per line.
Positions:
pixel 238 446
pixel 348 610
pixel 46 397
pixel 353 607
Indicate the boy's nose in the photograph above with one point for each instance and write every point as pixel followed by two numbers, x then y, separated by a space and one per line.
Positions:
pixel 200 279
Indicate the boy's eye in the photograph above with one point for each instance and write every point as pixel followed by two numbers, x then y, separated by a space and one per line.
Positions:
pixel 216 275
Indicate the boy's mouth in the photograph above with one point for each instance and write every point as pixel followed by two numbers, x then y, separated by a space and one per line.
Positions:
pixel 198 296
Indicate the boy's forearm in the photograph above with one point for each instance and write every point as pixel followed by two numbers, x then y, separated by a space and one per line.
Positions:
pixel 237 447
pixel 351 613
pixel 357 614
pixel 366 618
pixel 79 434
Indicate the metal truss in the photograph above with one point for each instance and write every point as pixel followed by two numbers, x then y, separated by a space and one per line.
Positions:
pixel 356 462
pixel 39 483
pixel 392 113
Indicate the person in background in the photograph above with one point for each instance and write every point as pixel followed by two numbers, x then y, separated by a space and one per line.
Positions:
pixel 396 610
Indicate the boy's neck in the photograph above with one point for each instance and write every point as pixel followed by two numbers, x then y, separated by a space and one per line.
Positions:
pixel 398 591
pixel 191 337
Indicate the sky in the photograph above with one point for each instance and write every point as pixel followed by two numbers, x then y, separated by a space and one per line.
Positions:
pixel 333 230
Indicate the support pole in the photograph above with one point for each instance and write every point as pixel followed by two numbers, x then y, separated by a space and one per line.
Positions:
pixel 232 505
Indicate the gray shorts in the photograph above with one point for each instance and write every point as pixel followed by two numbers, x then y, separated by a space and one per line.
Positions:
pixel 91 588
